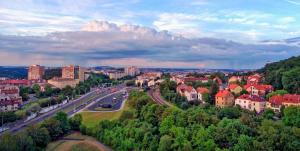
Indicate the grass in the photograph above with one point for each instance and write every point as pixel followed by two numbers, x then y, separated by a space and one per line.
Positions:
pixel 86 144
pixel 91 119
pixel 102 109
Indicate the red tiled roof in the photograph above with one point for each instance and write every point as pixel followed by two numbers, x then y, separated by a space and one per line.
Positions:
pixel 14 81
pixel 261 87
pixel 276 99
pixel 232 86
pixel 253 98
pixel 183 87
pixel 223 93
pixel 189 88
pixel 202 90
pixel 291 98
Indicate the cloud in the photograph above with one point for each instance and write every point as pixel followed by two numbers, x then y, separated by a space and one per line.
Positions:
pixel 293 2
pixel 105 43
pixel 246 26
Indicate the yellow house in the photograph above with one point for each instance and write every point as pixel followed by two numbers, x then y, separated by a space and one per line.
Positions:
pixel 236 89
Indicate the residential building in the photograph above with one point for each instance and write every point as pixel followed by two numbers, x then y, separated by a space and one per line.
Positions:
pixel 63 82
pixel 36 72
pixel 73 72
pixel 234 79
pixel 224 98
pixel 148 77
pixel 254 79
pixel 200 92
pixel 277 101
pixel 116 74
pixel 260 90
pixel 188 91
pixel 8 104
pixel 131 71
pixel 11 91
pixel 251 102
pixel 235 88
pixel 15 82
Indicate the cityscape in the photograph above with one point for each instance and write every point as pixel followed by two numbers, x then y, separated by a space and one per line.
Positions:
pixel 149 75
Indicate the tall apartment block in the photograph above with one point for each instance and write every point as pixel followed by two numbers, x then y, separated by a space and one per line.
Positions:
pixel 73 72
pixel 131 71
pixel 36 72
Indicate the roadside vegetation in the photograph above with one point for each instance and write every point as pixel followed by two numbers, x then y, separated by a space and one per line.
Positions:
pixel 149 126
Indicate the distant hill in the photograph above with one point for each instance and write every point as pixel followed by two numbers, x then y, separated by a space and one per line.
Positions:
pixel 284 74
pixel 13 72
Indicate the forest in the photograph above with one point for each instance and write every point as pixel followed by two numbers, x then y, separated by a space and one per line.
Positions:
pixel 149 126
pixel 283 74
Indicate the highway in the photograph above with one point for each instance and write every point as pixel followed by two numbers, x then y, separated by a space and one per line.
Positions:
pixel 22 125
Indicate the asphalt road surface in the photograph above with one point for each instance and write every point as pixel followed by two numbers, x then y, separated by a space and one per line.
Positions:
pixel 22 125
pixel 114 100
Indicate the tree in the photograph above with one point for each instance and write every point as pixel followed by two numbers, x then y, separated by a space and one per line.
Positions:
pixel 53 127
pixel 229 112
pixel 62 117
pixel 24 142
pixel 39 135
pixel 75 122
pixel 292 116
pixel 213 91
pixel 48 90
pixel 36 89
pixel 277 92
pixel 7 117
pixel 244 143
pixel 290 80
pixel 127 114
pixel 268 114
pixel 8 142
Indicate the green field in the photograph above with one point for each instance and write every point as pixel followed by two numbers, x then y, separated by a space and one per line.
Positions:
pixel 80 143
pixel 91 119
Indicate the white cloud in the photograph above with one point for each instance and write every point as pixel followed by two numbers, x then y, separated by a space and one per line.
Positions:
pixel 119 45
pixel 207 24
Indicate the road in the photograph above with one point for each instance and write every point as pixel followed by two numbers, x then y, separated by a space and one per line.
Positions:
pixel 21 125
pixel 115 103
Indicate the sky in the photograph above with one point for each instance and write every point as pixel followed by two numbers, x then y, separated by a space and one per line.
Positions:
pixel 149 33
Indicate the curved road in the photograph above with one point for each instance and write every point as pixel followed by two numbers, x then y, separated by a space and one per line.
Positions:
pixel 22 125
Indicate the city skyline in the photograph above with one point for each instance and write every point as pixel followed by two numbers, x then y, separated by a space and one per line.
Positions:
pixel 177 34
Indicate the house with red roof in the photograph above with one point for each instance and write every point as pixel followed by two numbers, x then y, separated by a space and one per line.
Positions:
pixel 277 101
pixel 258 89
pixel 11 91
pixel 224 98
pixel 235 88
pixel 251 102
pixel 15 82
pixel 188 91
pixel 201 91
pixel 235 79
pixel 254 79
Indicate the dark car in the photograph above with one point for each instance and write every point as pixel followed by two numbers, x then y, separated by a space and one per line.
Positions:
pixel 106 106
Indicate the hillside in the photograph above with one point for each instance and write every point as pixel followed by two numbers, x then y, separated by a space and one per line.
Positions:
pixel 284 74
pixel 13 72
